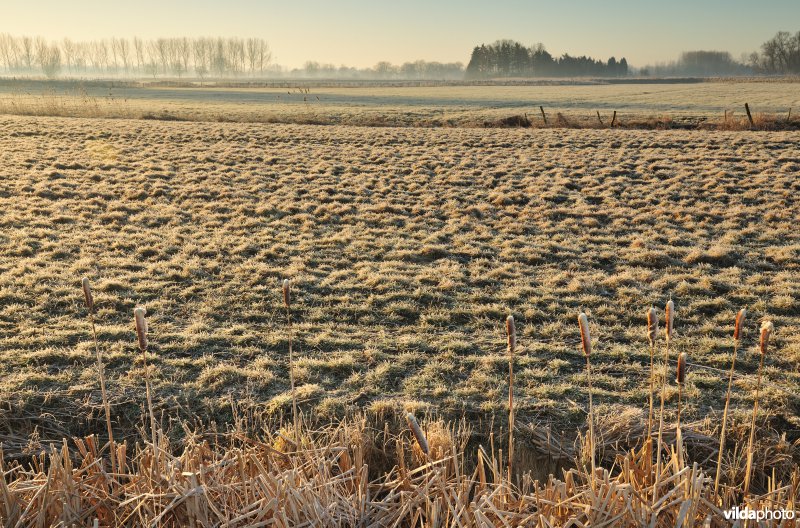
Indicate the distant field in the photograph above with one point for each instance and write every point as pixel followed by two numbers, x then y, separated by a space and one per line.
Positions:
pixel 408 248
pixel 450 105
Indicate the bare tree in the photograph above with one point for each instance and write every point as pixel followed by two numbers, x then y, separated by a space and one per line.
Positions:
pixel 138 49
pixel 27 53
pixel 183 53
pixel 8 51
pixel 68 52
pixel 48 57
pixel 81 56
pixel 201 50
pixel 122 52
pixel 219 57
pixel 264 56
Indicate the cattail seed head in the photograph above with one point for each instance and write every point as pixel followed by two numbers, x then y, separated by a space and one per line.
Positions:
pixel 681 377
pixel 417 431
pixel 766 331
pixel 670 318
pixel 286 293
pixel 141 327
pixel 511 330
pixel 87 294
pixel 737 327
pixel 652 325
pixel 586 341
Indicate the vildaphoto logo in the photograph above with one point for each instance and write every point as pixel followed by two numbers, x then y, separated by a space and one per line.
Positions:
pixel 746 513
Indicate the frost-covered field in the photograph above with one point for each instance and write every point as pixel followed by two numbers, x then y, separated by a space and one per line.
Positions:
pixel 371 104
pixel 408 247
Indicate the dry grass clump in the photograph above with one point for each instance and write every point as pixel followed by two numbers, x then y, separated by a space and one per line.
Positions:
pixel 246 479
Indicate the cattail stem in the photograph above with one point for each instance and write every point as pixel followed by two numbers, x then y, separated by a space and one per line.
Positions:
pixel 89 299
pixel 295 416
pixel 287 304
pixel 652 388
pixel 680 380
pixel 766 331
pixel 106 405
pixel 150 401
pixel 652 335
pixel 141 335
pixel 586 345
pixel 669 314
pixel 591 418
pixel 748 473
pixel 661 419
pixel 512 341
pixel 725 420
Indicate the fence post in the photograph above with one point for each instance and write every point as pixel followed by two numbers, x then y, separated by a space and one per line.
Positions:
pixel 749 115
pixel 614 119
pixel 599 118
pixel 541 109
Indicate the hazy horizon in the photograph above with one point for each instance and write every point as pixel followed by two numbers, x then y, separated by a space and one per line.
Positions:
pixel 360 33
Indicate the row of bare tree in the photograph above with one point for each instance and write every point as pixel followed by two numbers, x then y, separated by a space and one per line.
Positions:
pixel 199 57
pixel 780 54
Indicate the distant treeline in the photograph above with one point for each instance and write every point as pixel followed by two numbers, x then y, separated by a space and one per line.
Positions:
pixel 199 57
pixel 699 64
pixel 383 70
pixel 233 57
pixel 508 58
pixel 779 56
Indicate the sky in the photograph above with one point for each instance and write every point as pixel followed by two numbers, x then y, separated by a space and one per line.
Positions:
pixel 362 32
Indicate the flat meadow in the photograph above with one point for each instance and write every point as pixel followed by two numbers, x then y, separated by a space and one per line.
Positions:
pixel 407 248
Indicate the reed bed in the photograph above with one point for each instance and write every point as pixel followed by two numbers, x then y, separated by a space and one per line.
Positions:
pixel 430 473
pixel 264 480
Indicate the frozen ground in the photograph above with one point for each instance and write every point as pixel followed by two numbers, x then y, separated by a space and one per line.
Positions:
pixel 408 248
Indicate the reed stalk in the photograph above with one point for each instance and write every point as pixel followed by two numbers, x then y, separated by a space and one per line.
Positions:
pixel 680 379
pixel 586 345
pixel 89 298
pixel 652 334
pixel 511 333
pixel 141 335
pixel 669 319
pixel 766 331
pixel 737 336
pixel 288 305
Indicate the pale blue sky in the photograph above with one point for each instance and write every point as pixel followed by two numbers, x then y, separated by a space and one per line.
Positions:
pixel 362 32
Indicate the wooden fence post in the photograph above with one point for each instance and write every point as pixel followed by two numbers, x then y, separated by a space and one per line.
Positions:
pixel 614 119
pixel 541 109
pixel 599 118
pixel 749 115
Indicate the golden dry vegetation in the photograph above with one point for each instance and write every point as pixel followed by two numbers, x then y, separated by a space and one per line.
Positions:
pixel 407 248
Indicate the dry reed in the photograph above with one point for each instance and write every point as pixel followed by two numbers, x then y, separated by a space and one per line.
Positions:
pixel 287 304
pixel 251 480
pixel 586 344
pixel 738 327
pixel 763 344
pixel 652 334
pixel 669 321
pixel 89 299
pixel 141 335
pixel 419 436
pixel 511 333
pixel 680 379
